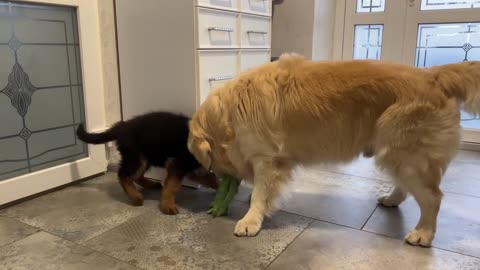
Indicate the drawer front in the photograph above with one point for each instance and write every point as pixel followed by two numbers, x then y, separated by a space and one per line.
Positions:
pixel 221 4
pixel 253 58
pixel 217 29
pixel 255 31
pixel 262 7
pixel 214 69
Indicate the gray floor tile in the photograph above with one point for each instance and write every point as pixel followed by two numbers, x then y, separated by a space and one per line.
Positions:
pixel 327 246
pixel 12 230
pixel 45 251
pixel 462 178
pixel 80 212
pixel 362 167
pixel 194 240
pixel 458 223
pixel 337 198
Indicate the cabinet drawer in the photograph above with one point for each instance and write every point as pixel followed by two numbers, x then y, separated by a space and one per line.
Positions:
pixel 217 29
pixel 255 31
pixel 221 4
pixel 253 58
pixel 262 7
pixel 214 69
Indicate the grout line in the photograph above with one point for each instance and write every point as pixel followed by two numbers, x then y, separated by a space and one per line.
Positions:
pixel 291 242
pixel 461 194
pixel 96 251
pixel 114 227
pixel 370 216
pixel 432 247
pixel 387 181
pixel 10 218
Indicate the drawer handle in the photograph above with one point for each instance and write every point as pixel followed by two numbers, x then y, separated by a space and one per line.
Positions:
pixel 257 32
pixel 221 78
pixel 221 29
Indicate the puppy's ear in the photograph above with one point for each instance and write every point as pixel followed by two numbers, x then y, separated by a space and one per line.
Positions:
pixel 205 154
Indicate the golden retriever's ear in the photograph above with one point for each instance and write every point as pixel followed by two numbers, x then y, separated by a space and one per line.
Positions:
pixel 205 154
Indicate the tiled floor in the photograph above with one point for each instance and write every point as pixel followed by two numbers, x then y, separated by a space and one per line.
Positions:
pixel 331 221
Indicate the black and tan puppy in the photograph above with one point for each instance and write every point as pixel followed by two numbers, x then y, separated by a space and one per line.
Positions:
pixel 154 139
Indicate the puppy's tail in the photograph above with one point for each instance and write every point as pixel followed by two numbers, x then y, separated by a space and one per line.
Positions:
pixel 97 138
pixel 461 81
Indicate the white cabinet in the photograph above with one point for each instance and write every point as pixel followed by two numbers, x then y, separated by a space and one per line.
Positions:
pixel 172 53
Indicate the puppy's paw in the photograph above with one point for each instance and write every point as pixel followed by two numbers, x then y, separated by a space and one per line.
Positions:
pixel 168 209
pixel 420 237
pixel 389 201
pixel 137 199
pixel 247 227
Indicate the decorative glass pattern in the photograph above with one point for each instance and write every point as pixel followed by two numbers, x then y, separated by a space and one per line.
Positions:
pixel 41 97
pixel 370 5
pixel 449 4
pixel 449 43
pixel 368 41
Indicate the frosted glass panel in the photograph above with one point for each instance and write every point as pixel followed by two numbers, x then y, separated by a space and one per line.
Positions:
pixel 41 97
pixel 370 5
pixel 449 4
pixel 368 41
pixel 449 43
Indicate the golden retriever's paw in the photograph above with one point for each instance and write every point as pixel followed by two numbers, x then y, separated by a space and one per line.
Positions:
pixel 247 227
pixel 420 237
pixel 389 201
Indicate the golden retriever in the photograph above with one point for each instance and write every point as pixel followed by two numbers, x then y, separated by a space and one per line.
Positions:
pixel 293 111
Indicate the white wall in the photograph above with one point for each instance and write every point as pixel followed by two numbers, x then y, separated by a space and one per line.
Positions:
pixel 110 68
pixel 305 27
pixel 109 61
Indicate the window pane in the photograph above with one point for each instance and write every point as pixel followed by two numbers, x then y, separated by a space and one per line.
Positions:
pixel 368 41
pixel 41 92
pixel 370 5
pixel 449 43
pixel 449 4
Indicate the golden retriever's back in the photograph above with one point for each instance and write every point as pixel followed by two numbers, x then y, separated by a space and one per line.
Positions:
pixel 297 106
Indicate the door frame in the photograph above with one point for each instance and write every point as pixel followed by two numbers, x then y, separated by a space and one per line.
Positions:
pixel 405 51
pixel 93 95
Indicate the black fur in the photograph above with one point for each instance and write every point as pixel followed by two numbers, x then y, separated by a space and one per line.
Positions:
pixel 154 137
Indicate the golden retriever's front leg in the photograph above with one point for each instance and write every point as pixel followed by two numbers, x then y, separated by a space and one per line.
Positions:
pixel 270 176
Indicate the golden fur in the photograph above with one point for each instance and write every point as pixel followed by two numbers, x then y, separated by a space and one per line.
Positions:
pixel 292 111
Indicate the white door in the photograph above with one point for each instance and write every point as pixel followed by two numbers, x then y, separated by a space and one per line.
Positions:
pixel 50 81
pixel 415 32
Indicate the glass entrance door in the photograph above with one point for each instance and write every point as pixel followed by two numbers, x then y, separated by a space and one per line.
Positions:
pixel 416 32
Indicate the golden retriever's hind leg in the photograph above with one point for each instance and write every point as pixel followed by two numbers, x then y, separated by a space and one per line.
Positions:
pixel 270 177
pixel 425 189
pixel 394 199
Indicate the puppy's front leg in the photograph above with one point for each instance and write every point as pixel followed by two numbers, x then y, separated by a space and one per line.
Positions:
pixel 270 176
pixel 172 185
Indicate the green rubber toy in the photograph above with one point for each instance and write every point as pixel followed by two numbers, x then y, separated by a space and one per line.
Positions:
pixel 224 196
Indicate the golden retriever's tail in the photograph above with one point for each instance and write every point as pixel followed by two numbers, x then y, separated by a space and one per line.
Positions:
pixel 462 81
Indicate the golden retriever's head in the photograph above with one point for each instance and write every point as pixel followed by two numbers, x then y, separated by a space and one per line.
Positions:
pixel 210 135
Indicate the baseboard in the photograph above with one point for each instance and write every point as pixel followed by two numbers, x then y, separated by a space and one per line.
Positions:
pixel 155 174
pixel 470 146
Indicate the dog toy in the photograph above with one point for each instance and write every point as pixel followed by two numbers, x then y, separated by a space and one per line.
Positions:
pixel 226 191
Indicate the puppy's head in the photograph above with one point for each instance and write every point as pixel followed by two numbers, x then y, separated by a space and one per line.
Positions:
pixel 210 135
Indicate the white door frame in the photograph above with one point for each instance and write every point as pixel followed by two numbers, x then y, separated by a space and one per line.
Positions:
pixel 25 185
pixel 392 50
pixel 414 17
